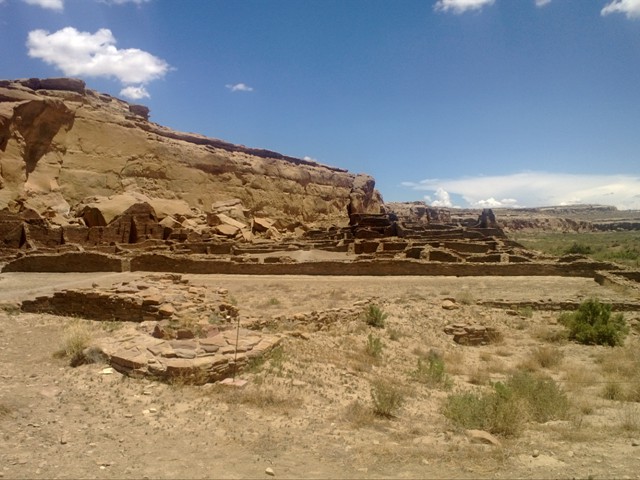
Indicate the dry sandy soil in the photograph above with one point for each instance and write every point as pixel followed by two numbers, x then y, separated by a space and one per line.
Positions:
pixel 306 412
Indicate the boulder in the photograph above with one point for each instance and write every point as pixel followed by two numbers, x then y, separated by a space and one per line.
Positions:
pixel 140 111
pixel 261 225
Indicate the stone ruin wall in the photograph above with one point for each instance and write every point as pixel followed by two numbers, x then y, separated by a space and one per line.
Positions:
pixel 172 329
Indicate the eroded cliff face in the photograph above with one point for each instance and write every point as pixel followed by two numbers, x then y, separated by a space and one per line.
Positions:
pixel 63 146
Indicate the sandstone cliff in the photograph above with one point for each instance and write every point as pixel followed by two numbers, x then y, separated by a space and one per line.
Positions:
pixel 63 147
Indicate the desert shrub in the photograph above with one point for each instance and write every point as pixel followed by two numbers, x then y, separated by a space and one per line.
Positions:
pixel 593 324
pixel 431 371
pixel 374 346
pixel 490 411
pixel 375 316
pixel 509 405
pixel 387 398
pixel 578 249
pixel 4 410
pixel 544 397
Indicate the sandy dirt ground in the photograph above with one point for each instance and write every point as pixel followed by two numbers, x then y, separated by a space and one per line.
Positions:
pixel 305 412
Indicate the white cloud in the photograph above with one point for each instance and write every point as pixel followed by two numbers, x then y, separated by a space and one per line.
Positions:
pixel 135 93
pixel 542 3
pixel 631 8
pixel 536 189
pixel 461 6
pixel 239 87
pixel 52 4
pixel 95 55
pixel 443 199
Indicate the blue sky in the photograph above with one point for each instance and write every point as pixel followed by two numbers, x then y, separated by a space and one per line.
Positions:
pixel 469 103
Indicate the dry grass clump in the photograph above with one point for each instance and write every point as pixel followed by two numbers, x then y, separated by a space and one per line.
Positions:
pixel 465 297
pixel 543 357
pixel 77 337
pixel 621 367
pixel 551 334
pixel 479 377
pixel 359 415
pixel 577 377
pixel 629 419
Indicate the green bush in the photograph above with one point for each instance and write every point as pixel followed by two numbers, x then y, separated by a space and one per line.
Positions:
pixel 509 405
pixel 593 324
pixel 375 316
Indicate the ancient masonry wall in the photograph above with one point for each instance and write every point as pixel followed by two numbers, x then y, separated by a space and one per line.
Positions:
pixel 95 262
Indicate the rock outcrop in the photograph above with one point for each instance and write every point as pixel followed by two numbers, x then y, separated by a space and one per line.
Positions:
pixel 65 147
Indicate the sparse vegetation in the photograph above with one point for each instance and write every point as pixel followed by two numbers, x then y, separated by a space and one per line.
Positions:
pixel 374 347
pixel 509 405
pixel 593 324
pixel 526 312
pixel 621 247
pixel 394 334
pixel 359 415
pixel 431 371
pixel 613 391
pixel 545 357
pixel 375 316
pixel 465 297
pixel 578 249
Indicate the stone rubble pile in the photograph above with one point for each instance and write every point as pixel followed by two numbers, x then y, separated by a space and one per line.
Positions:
pixel 473 335
pixel 317 320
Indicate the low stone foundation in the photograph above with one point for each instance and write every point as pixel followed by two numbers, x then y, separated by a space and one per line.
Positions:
pixel 152 298
pixel 184 331
pixel 196 360
pixel 468 334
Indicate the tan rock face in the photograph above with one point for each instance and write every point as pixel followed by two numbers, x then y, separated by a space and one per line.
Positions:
pixel 62 146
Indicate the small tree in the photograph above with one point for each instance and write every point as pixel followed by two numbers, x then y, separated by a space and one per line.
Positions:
pixel 593 324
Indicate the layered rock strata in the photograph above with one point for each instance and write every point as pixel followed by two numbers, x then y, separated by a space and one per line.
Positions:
pixel 63 147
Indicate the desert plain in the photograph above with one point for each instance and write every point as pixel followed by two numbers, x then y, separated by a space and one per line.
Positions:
pixel 306 411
